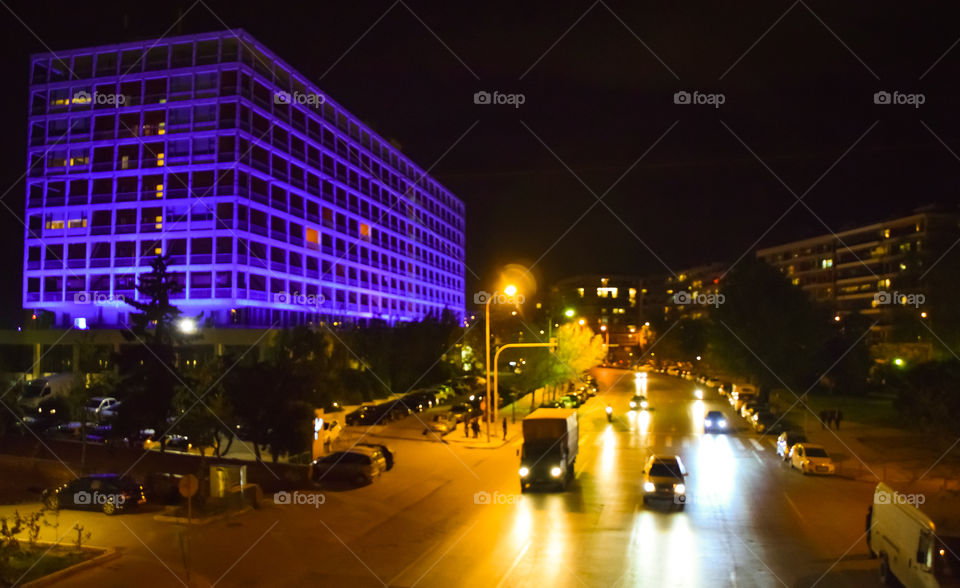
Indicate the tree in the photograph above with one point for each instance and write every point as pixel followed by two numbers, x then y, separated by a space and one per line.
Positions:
pixel 148 368
pixel 578 350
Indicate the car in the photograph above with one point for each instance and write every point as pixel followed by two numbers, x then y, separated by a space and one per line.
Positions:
pixel 464 411
pixel 711 382
pixel 811 459
pixel 355 466
pixel 664 477
pixel 751 407
pixel 739 399
pixel 380 450
pixel 787 440
pixel 101 407
pixel 673 371
pixel 418 401
pixel 714 422
pixel 570 401
pixel 444 392
pixel 724 388
pixel 639 402
pixel 369 415
pixel 763 420
pixel 110 493
pixel 441 424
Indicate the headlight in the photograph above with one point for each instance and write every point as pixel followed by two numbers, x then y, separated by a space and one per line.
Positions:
pixel 524 472
pixel 633 404
pixel 555 471
pixel 649 487
pixel 708 423
pixel 643 404
pixel 698 393
pixel 680 489
pixel 722 424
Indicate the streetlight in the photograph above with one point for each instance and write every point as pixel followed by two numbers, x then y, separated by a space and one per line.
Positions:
pixel 569 313
pixel 187 326
pixel 509 290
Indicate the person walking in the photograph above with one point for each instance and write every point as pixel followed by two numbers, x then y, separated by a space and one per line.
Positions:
pixel 466 427
pixel 837 417
pixel 476 428
pixel 504 428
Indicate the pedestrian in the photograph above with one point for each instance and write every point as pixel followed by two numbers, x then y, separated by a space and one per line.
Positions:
pixel 837 417
pixel 504 428
pixel 476 428
pixel 466 427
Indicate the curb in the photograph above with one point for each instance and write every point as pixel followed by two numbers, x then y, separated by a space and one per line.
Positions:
pixel 109 554
pixel 200 521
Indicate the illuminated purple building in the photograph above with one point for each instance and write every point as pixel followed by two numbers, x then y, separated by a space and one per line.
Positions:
pixel 276 205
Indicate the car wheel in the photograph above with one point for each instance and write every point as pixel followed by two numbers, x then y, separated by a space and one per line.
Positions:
pixel 52 502
pixel 109 508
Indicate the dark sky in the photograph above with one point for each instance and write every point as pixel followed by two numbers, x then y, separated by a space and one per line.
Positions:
pixel 599 81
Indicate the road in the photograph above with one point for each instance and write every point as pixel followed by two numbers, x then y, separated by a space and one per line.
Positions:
pixel 449 515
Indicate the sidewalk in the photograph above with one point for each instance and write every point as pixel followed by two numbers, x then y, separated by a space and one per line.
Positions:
pixel 896 456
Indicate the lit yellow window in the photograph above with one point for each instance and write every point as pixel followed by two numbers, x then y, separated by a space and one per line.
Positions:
pixel 55 224
pixel 159 159
pixel 159 190
pixel 161 128
pixel 158 251
pixel 77 223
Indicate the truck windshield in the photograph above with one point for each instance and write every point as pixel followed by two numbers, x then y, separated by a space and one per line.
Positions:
pixel 537 449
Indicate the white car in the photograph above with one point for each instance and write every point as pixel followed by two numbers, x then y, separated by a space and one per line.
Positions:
pixel 331 431
pixel 811 459
pixel 102 407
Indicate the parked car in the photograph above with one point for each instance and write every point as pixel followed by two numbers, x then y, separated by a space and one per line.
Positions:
pixel 752 406
pixel 441 424
pixel 714 422
pixel 762 420
pixel 711 382
pixel 787 440
pixel 464 411
pixel 570 401
pixel 368 415
pixel 101 408
pixel 382 451
pixel 811 459
pixel 109 493
pixel 664 478
pixel 355 466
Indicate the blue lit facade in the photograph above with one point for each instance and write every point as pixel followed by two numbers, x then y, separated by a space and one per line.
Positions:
pixel 276 205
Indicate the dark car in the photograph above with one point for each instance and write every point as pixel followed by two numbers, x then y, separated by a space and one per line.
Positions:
pixel 715 422
pixel 787 440
pixel 639 402
pixel 397 409
pixel 356 467
pixel 369 415
pixel 763 420
pixel 464 411
pixel 419 401
pixel 110 493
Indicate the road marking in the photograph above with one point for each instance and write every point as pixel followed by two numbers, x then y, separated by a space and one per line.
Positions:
pixel 757 457
pixel 793 506
pixel 756 444
pixel 738 443
pixel 515 563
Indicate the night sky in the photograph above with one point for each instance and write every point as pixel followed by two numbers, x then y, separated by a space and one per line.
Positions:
pixel 681 184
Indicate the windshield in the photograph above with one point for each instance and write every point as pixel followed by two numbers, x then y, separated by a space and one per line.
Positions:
pixel 662 470
pixel 33 389
pixel 816 452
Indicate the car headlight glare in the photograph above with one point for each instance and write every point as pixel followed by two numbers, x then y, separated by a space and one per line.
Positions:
pixel 555 471
pixel 633 404
pixel 643 404
pixel 722 424
pixel 524 472
pixel 708 423
pixel 649 487
pixel 680 489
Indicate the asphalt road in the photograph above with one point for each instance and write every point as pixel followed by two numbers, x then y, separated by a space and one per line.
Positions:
pixel 454 516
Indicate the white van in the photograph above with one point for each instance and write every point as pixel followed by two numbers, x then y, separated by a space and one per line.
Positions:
pixel 919 548
pixel 40 389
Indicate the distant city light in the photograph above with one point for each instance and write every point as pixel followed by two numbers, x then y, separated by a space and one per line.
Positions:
pixel 187 326
pixel 569 313
pixel 80 323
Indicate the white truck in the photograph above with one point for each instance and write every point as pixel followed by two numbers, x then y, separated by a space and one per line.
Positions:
pixel 918 548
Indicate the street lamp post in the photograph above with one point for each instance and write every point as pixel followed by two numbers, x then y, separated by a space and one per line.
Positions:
pixel 496 368
pixel 510 290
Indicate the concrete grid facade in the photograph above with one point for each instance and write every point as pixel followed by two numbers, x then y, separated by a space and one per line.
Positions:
pixel 275 204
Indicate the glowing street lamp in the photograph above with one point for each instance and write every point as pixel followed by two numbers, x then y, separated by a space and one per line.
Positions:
pixel 509 290
pixel 569 313
pixel 187 326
